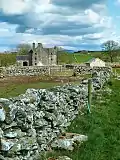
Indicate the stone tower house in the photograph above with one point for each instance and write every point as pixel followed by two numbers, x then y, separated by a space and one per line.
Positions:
pixel 43 56
pixel 39 56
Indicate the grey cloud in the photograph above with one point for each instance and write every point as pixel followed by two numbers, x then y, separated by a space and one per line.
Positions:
pixel 81 4
pixel 91 38
pixel 71 29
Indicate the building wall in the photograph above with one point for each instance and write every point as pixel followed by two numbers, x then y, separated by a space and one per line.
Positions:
pixel 20 62
pixel 97 63
pixel 53 60
pixel 44 57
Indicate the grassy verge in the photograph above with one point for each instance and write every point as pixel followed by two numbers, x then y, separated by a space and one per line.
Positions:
pixel 102 128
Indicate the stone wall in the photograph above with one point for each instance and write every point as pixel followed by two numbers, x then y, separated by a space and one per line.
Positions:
pixel 78 70
pixel 47 70
pixel 31 70
pixel 113 65
pixel 31 121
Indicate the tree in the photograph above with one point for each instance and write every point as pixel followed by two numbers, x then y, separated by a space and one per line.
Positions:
pixel 111 48
pixel 23 49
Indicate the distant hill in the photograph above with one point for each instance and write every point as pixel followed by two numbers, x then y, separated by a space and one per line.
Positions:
pixel 80 51
pixel 69 51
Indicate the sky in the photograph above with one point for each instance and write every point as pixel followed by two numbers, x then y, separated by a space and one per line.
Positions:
pixel 70 24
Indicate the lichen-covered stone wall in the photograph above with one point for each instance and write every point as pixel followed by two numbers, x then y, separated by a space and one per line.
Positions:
pixel 47 70
pixel 78 70
pixel 31 70
pixel 31 121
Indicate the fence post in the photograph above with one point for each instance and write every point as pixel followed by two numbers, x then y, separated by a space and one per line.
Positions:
pixel 89 94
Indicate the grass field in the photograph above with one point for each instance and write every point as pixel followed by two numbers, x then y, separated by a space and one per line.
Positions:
pixel 7 59
pixel 76 58
pixel 17 89
pixel 13 86
pixel 101 126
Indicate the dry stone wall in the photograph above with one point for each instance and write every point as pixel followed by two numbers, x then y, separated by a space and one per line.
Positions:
pixel 47 70
pixel 31 121
pixel 78 70
pixel 31 70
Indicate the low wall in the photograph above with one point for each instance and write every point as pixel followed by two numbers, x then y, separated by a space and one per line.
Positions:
pixel 78 70
pixel 113 65
pixel 47 70
pixel 31 121
pixel 31 71
pixel 72 66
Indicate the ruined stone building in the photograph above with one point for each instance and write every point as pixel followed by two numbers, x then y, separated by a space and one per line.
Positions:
pixel 38 56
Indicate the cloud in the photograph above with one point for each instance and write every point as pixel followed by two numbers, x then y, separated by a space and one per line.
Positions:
pixel 77 4
pixel 13 7
pixel 72 24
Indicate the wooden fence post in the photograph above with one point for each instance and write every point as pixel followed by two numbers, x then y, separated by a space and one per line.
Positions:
pixel 89 94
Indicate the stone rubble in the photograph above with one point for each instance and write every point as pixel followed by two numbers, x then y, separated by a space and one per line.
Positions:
pixel 30 122
pixel 68 141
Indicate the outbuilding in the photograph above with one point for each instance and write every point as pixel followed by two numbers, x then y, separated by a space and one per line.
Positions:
pixel 95 62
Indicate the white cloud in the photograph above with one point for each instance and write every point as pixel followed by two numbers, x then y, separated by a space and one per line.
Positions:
pixel 23 6
pixel 55 23
pixel 92 16
pixel 13 6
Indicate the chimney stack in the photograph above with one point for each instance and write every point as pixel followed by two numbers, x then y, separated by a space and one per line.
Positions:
pixel 40 45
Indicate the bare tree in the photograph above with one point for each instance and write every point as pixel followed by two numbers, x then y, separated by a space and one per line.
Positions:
pixel 111 49
pixel 23 49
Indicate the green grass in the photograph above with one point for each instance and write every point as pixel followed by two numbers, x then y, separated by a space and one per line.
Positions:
pixel 117 70
pixel 7 59
pixel 17 89
pixel 71 58
pixel 102 128
pixel 13 90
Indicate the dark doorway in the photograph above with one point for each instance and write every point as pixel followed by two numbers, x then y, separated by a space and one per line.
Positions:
pixel 25 63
